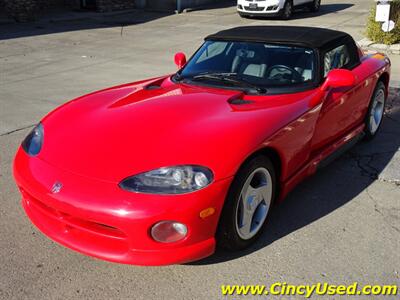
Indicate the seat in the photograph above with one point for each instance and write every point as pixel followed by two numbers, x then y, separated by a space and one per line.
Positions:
pixel 256 70
pixel 305 73
pixel 249 62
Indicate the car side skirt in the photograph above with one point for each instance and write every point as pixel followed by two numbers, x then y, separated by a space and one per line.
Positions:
pixel 322 159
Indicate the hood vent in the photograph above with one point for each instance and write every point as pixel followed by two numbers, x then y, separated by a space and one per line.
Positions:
pixel 152 87
pixel 239 101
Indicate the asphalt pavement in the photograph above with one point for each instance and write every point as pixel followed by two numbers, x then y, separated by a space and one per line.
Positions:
pixel 340 226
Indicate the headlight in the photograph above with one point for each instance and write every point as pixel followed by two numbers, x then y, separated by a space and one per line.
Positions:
pixel 169 180
pixel 33 142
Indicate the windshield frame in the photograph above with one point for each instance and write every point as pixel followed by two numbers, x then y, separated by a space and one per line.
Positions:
pixel 270 89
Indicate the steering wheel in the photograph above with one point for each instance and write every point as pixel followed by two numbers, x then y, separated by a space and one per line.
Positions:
pixel 296 76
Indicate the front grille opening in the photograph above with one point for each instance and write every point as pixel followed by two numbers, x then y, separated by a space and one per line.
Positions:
pixel 106 226
pixel 249 8
pixel 109 230
pixel 74 222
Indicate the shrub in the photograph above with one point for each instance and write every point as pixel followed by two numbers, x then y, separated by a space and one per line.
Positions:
pixel 374 29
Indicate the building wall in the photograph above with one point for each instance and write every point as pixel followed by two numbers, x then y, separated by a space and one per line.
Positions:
pixel 22 10
pixel 27 10
pixel 172 4
pixel 194 3
pixel 110 5
pixel 51 3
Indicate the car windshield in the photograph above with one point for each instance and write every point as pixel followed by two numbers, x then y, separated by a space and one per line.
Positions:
pixel 252 64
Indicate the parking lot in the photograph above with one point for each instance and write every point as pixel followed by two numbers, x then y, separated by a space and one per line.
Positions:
pixel 340 226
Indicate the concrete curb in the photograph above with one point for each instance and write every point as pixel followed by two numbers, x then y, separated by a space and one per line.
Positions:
pixel 395 84
pixel 367 44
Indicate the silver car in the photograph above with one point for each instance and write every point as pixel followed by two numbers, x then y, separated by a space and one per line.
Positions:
pixel 282 8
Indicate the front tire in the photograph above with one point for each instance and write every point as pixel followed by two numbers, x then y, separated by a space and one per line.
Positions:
pixel 376 110
pixel 287 10
pixel 247 204
pixel 315 5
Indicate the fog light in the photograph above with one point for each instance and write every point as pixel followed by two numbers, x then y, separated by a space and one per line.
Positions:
pixel 168 231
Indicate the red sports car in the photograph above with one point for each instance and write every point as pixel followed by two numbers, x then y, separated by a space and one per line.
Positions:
pixel 160 171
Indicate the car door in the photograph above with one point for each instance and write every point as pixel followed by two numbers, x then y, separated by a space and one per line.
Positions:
pixel 341 109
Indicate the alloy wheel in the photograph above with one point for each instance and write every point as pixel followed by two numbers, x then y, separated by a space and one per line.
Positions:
pixel 317 4
pixel 254 203
pixel 376 113
pixel 287 10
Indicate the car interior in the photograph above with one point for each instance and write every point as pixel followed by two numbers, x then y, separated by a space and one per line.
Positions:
pixel 257 62
pixel 277 64
pixel 336 58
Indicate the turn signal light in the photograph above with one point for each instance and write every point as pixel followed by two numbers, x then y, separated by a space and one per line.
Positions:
pixel 207 212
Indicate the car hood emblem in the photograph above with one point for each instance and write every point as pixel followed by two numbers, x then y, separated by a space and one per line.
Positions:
pixel 56 188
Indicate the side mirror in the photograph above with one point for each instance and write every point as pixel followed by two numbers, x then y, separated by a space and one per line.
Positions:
pixel 180 59
pixel 339 78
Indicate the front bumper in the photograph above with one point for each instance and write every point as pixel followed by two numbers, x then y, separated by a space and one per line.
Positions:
pixel 259 8
pixel 99 219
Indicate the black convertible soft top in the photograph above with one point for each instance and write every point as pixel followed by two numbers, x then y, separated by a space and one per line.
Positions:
pixel 312 37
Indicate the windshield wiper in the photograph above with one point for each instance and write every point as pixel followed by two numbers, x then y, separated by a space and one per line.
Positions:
pixel 215 74
pixel 178 76
pixel 229 77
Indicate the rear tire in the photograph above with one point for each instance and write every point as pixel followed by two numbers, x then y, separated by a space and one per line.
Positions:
pixel 376 110
pixel 287 10
pixel 247 204
pixel 315 5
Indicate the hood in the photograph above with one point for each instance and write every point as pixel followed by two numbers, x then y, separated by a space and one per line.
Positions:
pixel 126 130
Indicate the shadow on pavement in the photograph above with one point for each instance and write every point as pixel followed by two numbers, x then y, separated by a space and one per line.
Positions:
pixel 72 21
pixel 332 187
pixel 65 21
pixel 324 10
pixel 218 5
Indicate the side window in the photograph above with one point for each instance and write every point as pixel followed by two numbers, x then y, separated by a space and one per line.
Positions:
pixel 212 50
pixel 336 59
